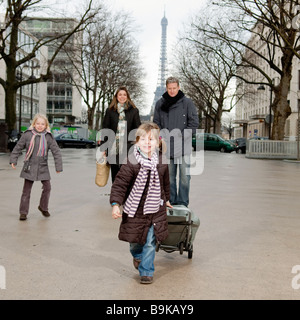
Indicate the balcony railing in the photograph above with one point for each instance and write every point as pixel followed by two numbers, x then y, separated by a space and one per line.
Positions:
pixel 59 111
pixel 258 116
pixel 59 98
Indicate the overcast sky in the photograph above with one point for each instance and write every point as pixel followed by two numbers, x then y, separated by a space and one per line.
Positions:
pixel 148 15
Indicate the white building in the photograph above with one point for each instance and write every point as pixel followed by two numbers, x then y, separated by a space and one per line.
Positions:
pixel 253 109
pixel 64 101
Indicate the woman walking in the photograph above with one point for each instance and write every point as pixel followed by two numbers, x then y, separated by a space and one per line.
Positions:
pixel 121 117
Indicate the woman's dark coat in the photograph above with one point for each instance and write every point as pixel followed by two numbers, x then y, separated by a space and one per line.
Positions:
pixel 111 120
pixel 135 230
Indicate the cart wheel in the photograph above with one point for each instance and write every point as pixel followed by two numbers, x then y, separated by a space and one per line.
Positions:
pixel 181 248
pixel 157 247
pixel 190 253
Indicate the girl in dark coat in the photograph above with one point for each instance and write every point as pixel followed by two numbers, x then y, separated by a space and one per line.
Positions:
pixel 37 140
pixel 142 187
pixel 121 117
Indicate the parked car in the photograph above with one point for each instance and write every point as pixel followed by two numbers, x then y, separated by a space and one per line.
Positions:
pixel 70 140
pixel 232 142
pixel 212 141
pixel 13 138
pixel 240 145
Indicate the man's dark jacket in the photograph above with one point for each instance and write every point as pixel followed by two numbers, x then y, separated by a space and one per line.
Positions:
pixel 181 115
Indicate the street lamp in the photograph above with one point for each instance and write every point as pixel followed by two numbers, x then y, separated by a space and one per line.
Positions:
pixel 32 77
pixel 268 120
pixel 19 77
pixel 31 97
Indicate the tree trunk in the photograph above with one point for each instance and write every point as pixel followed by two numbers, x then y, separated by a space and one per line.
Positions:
pixel 200 119
pixel 218 126
pixel 10 96
pixel 11 89
pixel 280 106
pixel 97 120
pixel 90 116
pixel 218 120
pixel 102 112
pixel 207 123
pixel 10 108
pixel 281 113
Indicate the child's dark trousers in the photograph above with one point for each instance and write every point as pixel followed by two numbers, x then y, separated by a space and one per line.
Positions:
pixel 25 198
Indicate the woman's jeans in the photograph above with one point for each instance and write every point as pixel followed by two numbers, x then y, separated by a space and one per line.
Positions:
pixel 25 198
pixel 182 196
pixel 145 253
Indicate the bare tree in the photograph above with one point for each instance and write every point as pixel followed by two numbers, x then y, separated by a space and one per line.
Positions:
pixel 108 59
pixel 207 69
pixel 227 124
pixel 15 55
pixel 272 24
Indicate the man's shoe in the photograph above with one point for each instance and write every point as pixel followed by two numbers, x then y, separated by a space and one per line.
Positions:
pixel 23 216
pixel 146 280
pixel 44 213
pixel 136 263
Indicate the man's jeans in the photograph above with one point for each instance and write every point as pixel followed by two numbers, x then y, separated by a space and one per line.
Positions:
pixel 182 196
pixel 145 253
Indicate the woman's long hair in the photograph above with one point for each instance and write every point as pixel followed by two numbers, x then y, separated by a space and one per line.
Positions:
pixel 114 103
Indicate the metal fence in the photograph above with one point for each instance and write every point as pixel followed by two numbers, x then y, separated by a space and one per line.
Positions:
pixel 271 149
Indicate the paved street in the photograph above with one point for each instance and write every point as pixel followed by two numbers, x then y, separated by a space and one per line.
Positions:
pixel 245 248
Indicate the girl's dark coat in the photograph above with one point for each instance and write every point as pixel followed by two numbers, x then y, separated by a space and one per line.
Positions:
pixel 39 169
pixel 135 230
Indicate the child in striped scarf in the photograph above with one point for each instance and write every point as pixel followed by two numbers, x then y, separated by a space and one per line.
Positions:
pixel 37 140
pixel 142 187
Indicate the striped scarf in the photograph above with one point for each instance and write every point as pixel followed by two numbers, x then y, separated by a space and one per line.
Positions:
pixel 153 197
pixel 42 151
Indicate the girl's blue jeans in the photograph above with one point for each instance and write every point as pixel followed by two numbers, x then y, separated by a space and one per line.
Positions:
pixel 145 253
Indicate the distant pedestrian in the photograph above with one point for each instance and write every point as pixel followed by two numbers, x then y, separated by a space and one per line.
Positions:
pixel 37 140
pixel 175 111
pixel 142 187
pixel 121 117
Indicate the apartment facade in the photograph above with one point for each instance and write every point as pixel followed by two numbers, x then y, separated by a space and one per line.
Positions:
pixel 30 99
pixel 63 99
pixel 253 112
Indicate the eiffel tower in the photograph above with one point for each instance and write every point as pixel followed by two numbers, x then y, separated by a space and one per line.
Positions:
pixel 161 82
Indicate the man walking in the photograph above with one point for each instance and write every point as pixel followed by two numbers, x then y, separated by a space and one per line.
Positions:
pixel 177 118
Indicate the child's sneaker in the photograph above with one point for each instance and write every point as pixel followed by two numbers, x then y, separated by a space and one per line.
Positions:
pixel 146 280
